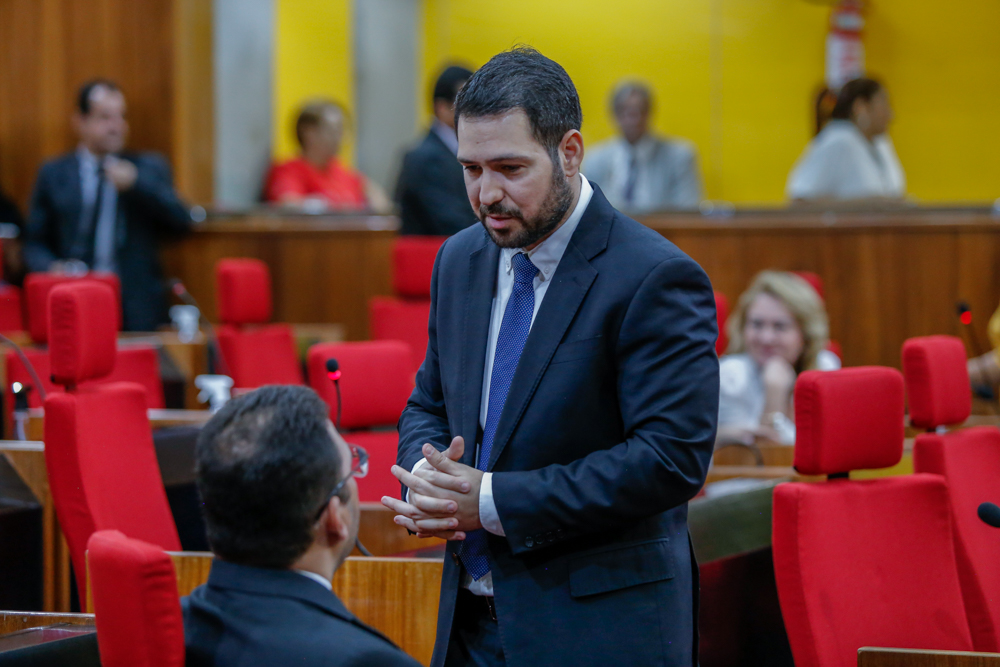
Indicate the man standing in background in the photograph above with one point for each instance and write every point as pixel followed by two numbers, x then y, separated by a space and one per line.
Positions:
pixel 431 189
pixel 102 209
pixel 639 171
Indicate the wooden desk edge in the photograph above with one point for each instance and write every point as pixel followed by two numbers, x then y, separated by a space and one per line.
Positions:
pixel 871 656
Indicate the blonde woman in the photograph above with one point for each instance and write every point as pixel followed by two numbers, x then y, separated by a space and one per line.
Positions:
pixel 778 329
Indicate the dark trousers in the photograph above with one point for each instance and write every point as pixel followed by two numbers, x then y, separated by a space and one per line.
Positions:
pixel 475 636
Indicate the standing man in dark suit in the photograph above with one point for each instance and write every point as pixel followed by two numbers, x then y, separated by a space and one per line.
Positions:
pixel 431 190
pixel 102 209
pixel 281 508
pixel 566 410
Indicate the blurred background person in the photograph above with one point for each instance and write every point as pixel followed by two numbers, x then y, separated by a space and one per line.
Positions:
pixel 639 171
pixel 316 179
pixel 104 209
pixel 9 212
pixel 778 329
pixel 431 192
pixel 852 158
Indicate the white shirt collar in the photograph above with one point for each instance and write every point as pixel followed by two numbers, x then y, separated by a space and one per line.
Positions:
pixel 546 255
pixel 446 134
pixel 87 159
pixel 318 578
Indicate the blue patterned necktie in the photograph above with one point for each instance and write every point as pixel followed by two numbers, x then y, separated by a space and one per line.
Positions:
pixel 513 334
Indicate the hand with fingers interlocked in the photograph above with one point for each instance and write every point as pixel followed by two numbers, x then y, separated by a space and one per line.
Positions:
pixel 444 494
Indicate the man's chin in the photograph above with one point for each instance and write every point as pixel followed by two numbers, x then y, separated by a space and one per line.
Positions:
pixel 504 238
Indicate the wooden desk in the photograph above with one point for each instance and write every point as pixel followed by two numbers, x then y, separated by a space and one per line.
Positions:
pixel 157 419
pixel 899 657
pixel 323 268
pixel 398 596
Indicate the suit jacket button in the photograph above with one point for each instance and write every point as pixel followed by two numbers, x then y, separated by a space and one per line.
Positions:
pixel 454 557
pixel 528 542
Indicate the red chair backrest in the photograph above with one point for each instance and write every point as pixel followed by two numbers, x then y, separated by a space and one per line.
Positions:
pixel 413 263
pixel 937 381
pixel 99 452
pixel 937 384
pixel 259 355
pixel 722 316
pixel 396 319
pixel 375 382
pixel 136 606
pixel 381 447
pixel 243 291
pixel 11 313
pixel 862 563
pixel 37 287
pixel 814 281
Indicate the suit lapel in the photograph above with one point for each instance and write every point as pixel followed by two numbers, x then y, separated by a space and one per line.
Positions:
pixel 570 284
pixel 483 264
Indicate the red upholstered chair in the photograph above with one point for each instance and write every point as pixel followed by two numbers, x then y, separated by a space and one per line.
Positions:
pixel 398 319
pixel 255 353
pixel 375 384
pixel 722 315
pixel 862 563
pixel 136 606
pixel 36 295
pixel 404 317
pixel 937 384
pixel 412 265
pixel 11 314
pixel 99 454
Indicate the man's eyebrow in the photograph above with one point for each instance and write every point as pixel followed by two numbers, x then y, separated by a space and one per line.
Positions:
pixel 499 158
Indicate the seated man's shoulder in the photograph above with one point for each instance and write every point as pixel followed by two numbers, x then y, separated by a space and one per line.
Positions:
pixel 680 146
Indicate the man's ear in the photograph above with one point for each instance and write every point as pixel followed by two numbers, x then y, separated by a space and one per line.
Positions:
pixel 571 152
pixel 337 520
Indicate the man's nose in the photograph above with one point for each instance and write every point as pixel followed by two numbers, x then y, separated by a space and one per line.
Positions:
pixel 490 190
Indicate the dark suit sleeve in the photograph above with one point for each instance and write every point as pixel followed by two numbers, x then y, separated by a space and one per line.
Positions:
pixel 382 657
pixel 39 243
pixel 425 418
pixel 422 191
pixel 668 389
pixel 153 197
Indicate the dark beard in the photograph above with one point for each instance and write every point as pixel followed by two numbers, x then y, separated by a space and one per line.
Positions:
pixel 554 208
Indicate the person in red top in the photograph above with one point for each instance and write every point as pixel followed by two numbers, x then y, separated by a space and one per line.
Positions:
pixel 317 180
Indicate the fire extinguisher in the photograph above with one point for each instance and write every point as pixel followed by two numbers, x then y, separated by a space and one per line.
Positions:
pixel 845 53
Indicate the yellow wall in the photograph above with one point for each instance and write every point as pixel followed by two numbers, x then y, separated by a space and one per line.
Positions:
pixel 737 77
pixel 313 58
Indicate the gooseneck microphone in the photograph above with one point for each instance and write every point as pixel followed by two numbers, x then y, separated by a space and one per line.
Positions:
pixel 990 514
pixel 333 372
pixel 965 317
pixel 181 292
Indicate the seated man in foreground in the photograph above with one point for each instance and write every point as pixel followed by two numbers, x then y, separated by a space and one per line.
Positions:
pixel 281 508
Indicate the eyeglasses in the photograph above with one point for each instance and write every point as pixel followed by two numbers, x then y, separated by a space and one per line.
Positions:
pixel 359 468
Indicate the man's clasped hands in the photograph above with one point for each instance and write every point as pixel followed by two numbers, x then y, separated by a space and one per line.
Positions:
pixel 444 494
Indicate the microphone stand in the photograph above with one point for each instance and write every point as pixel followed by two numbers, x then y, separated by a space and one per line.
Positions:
pixel 333 372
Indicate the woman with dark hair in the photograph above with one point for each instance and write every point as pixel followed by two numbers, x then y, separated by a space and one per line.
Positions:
pixel 852 158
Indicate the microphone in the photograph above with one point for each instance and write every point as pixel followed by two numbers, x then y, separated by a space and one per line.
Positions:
pixel 21 392
pixel 965 317
pixel 333 372
pixel 180 291
pixel 990 514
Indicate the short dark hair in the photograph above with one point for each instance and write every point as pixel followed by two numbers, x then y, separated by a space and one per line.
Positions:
pixel 522 78
pixel 87 89
pixel 311 114
pixel 450 82
pixel 855 89
pixel 263 465
pixel 626 90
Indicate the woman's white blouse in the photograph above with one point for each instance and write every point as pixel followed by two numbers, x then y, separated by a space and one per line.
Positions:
pixel 741 389
pixel 841 163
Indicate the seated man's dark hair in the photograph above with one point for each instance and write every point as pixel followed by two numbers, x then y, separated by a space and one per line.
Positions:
pixel 264 464
pixel 855 89
pixel 450 82
pixel 311 115
pixel 87 89
pixel 522 78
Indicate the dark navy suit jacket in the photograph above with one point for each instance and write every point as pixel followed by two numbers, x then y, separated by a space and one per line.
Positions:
pixel 254 617
pixel 431 191
pixel 606 433
pixel 146 211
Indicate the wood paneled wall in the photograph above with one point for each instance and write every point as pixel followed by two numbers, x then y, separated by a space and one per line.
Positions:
pixel 887 276
pixel 159 52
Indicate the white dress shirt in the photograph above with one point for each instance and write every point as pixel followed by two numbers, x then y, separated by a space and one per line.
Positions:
pixel 545 256
pixel 841 163
pixel 666 173
pixel 104 235
pixel 318 578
